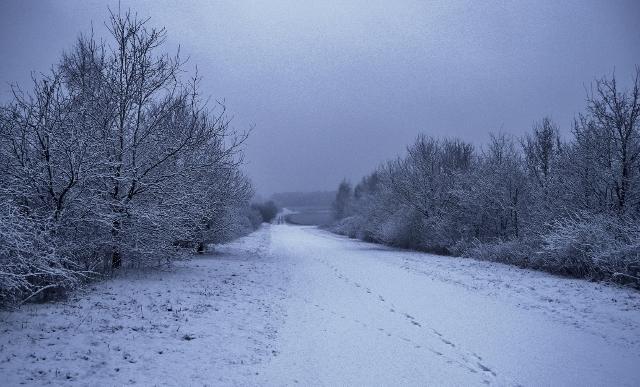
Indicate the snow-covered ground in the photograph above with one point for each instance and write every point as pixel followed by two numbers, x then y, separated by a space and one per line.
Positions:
pixel 296 305
pixel 208 321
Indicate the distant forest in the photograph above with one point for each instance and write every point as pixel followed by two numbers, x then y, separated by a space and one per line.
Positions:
pixel 319 199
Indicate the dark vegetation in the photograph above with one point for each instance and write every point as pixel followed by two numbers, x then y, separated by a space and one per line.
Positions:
pixel 310 217
pixel 318 199
pixel 267 210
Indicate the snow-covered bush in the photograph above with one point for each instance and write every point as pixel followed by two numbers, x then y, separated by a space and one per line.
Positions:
pixel 113 159
pixel 513 252
pixel 398 229
pixel 348 226
pixel 30 265
pixel 594 246
pixel 514 204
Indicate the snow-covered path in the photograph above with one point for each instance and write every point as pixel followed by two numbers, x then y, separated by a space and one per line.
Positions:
pixel 294 305
pixel 362 314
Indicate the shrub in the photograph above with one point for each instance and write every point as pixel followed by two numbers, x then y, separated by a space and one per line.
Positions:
pixel 513 252
pixel 268 210
pixel 593 246
pixel 30 263
pixel 347 226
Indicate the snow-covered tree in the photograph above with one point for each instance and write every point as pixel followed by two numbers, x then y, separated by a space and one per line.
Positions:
pixel 112 159
pixel 341 205
pixel 564 206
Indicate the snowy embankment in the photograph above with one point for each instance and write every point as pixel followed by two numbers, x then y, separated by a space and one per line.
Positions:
pixel 296 305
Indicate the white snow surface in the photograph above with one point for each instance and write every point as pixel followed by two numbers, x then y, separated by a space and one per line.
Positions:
pixel 293 305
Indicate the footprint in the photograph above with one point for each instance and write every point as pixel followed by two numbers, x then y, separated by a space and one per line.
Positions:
pixel 448 343
pixel 486 369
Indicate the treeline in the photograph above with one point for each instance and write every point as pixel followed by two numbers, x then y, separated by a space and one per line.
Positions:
pixel 318 199
pixel 112 160
pixel 569 207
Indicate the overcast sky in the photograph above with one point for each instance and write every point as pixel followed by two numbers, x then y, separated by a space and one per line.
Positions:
pixel 336 87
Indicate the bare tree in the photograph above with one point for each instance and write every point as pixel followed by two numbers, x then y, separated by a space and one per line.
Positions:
pixel 541 149
pixel 118 159
pixel 569 207
pixel 609 135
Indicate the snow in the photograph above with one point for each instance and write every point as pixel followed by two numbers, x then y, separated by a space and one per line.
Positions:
pixel 296 305
pixel 206 321
pixel 367 314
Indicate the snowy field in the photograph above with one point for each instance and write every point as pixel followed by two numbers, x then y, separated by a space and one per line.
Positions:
pixel 294 305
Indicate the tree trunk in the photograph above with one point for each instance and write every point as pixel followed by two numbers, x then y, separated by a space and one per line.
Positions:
pixel 116 259
pixel 116 256
pixel 201 247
